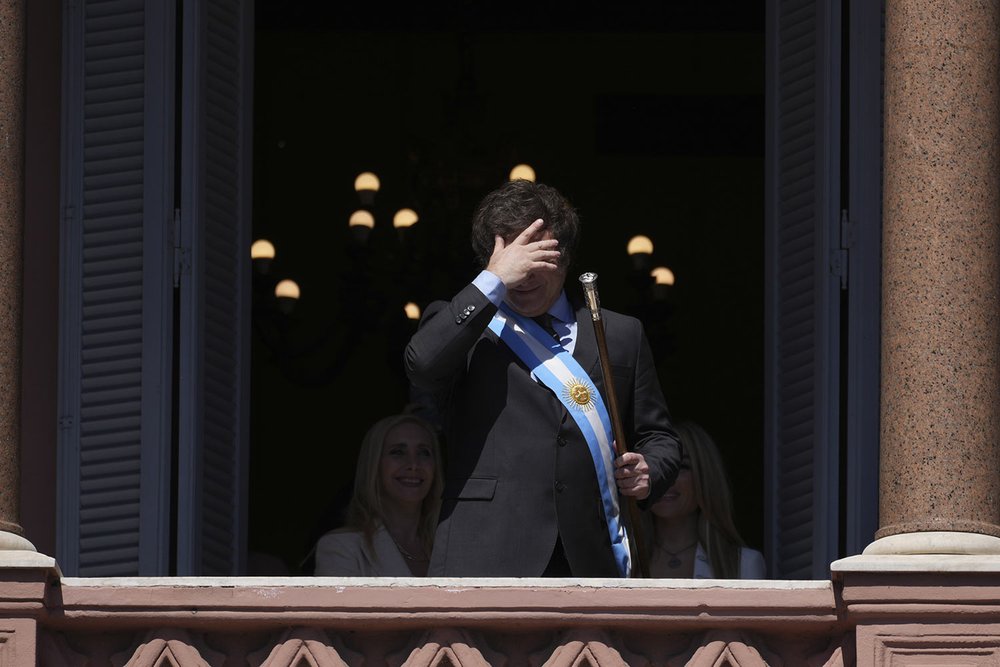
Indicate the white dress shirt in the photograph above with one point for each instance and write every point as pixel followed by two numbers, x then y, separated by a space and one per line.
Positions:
pixel 563 316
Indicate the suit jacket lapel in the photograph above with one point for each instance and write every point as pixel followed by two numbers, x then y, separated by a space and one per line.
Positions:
pixel 585 351
pixel 386 557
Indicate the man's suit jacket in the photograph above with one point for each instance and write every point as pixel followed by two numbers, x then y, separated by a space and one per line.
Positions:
pixel 519 473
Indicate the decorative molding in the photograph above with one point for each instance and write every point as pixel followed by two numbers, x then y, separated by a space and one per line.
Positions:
pixel 731 654
pixel 450 648
pixel 308 646
pixel 966 648
pixel 582 648
pixel 725 649
pixel 169 648
pixel 835 659
pixel 7 652
pixel 18 641
pixel 54 651
pixel 130 623
pixel 586 654
pixel 305 647
pixel 784 649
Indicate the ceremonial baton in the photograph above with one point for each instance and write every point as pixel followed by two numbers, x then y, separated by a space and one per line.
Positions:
pixel 635 541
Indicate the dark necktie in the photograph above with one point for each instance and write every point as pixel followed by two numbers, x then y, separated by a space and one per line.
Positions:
pixel 545 321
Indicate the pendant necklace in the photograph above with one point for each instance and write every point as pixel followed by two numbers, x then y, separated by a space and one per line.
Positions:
pixel 675 561
pixel 406 554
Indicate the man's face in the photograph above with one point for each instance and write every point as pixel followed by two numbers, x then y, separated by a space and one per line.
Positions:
pixel 535 294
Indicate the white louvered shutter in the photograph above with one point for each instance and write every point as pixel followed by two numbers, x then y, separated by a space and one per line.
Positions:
pixel 116 301
pixel 215 286
pixel 802 303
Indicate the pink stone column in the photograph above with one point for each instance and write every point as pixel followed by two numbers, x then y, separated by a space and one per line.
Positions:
pixel 11 217
pixel 940 444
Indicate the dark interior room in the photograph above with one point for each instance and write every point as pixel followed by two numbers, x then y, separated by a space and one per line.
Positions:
pixel 648 116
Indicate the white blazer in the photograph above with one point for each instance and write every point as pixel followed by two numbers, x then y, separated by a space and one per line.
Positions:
pixel 345 553
pixel 751 564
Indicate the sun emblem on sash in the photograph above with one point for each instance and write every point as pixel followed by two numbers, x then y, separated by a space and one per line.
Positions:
pixel 580 393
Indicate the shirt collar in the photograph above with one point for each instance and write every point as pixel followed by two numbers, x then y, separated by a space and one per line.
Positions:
pixel 561 310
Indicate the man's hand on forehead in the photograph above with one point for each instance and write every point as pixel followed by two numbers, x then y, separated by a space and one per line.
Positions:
pixel 527 252
pixel 535 235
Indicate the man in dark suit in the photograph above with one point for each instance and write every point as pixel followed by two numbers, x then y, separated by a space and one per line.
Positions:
pixel 523 490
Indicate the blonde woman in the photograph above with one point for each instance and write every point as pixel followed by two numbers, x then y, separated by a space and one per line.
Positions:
pixel 394 510
pixel 693 532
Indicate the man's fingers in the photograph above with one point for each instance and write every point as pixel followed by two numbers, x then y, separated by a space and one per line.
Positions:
pixel 525 236
pixel 546 260
pixel 549 251
pixel 628 458
pixel 632 473
pixel 498 243
pixel 631 459
pixel 633 484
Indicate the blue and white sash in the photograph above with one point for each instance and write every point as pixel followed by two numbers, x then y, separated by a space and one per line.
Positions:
pixel 559 371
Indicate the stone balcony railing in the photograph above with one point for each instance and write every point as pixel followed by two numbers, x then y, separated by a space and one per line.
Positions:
pixel 894 611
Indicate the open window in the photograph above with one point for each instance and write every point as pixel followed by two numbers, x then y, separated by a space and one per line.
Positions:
pixel 652 123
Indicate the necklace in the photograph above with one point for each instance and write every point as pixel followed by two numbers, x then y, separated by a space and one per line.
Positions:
pixel 406 554
pixel 675 561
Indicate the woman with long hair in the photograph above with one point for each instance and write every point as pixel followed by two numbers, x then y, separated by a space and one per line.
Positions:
pixel 693 531
pixel 394 509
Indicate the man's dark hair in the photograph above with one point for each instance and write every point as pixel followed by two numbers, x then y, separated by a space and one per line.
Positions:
pixel 509 209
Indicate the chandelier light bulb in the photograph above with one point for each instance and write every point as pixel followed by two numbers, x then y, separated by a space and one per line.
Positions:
pixel 522 172
pixel 366 181
pixel 362 218
pixel 640 245
pixel 262 249
pixel 287 289
pixel 662 275
pixel 405 217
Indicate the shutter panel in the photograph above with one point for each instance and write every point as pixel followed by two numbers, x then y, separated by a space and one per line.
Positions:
pixel 802 295
pixel 864 299
pixel 215 229
pixel 116 318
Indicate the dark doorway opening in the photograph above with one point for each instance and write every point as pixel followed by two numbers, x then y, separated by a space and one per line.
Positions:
pixel 648 116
